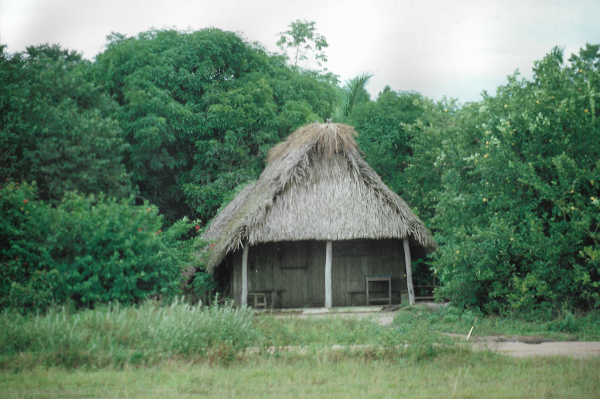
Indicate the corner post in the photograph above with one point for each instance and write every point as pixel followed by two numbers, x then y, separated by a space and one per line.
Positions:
pixel 409 282
pixel 244 301
pixel 328 256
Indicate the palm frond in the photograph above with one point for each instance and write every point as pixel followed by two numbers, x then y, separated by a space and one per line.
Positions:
pixel 352 90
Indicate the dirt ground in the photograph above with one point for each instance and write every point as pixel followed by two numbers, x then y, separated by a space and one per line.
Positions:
pixel 512 346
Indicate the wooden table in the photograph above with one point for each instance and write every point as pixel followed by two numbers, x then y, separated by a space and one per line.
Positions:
pixel 386 278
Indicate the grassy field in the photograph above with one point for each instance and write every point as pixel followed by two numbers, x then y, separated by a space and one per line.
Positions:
pixel 187 351
pixel 466 375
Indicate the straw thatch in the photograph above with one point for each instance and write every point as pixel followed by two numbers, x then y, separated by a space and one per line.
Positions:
pixel 316 186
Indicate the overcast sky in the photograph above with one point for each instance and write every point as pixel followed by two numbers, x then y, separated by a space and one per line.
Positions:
pixel 443 47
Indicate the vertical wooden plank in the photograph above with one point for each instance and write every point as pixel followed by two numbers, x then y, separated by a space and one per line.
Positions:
pixel 265 272
pixel 302 284
pixel 252 268
pixel 364 263
pixel 400 266
pixel 310 273
pixel 237 277
pixel 317 296
pixel 383 262
pixel 285 286
pixel 409 282
pixel 338 279
pixel 356 281
pixel 282 277
pixel 244 298
pixel 319 273
pixel 328 266
pixel 354 276
pixel 375 267
pixel 349 266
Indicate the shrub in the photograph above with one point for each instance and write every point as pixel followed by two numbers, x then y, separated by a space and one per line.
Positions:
pixel 85 250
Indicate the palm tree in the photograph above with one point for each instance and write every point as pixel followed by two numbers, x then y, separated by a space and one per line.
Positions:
pixel 352 92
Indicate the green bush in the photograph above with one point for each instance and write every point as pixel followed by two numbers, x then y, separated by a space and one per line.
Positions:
pixel 86 250
pixel 510 186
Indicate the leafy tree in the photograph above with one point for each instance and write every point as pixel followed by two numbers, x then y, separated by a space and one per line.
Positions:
pixel 88 249
pixel 511 183
pixel 55 127
pixel 199 111
pixel 382 135
pixel 304 42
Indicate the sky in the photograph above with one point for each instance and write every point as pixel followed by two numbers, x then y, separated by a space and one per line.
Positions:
pixel 453 48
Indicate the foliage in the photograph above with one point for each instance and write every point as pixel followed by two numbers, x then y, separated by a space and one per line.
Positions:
pixel 88 249
pixel 112 335
pixel 354 93
pixel 382 136
pixel 200 110
pixel 55 127
pixel 510 184
pixel 303 40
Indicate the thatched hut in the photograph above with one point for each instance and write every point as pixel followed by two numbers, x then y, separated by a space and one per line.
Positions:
pixel 315 225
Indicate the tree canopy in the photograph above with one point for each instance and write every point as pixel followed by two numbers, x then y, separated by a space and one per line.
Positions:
pixel 178 121
pixel 56 128
pixel 199 111
pixel 510 185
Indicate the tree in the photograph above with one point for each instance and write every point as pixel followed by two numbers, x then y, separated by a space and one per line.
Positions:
pixel 354 92
pixel 511 184
pixel 200 110
pixel 304 42
pixel 56 128
pixel 382 135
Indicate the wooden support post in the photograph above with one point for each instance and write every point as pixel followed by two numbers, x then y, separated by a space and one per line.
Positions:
pixel 328 255
pixel 409 282
pixel 245 274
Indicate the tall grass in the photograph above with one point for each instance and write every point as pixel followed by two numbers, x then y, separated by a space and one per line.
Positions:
pixel 116 335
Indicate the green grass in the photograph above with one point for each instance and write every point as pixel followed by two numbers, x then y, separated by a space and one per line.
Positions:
pixel 320 330
pixel 567 326
pixel 189 351
pixel 116 335
pixel 460 375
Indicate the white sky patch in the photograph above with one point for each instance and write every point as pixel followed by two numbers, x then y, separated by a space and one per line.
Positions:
pixel 452 48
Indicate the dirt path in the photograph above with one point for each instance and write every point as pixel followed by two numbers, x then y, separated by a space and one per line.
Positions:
pixel 511 346
pixel 525 346
pixel 520 349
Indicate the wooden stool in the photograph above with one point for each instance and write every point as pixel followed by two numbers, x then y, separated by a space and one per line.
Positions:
pixel 385 278
pixel 260 300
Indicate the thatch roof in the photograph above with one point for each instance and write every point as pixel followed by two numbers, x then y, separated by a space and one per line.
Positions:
pixel 316 186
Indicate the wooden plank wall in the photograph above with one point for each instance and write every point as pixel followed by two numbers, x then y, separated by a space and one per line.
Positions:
pixel 302 279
